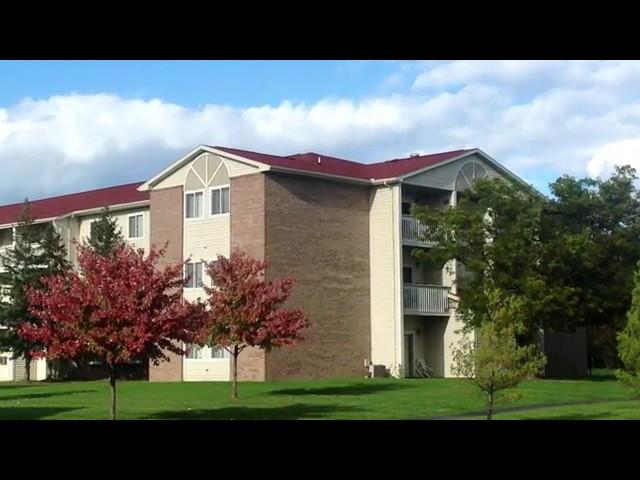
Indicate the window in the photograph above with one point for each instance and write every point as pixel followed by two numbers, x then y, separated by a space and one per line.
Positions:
pixel 219 200
pixel 135 226
pixel 218 352
pixel 193 205
pixel 406 208
pixel 407 275
pixel 194 352
pixel 92 228
pixel 3 361
pixel 6 237
pixel 193 272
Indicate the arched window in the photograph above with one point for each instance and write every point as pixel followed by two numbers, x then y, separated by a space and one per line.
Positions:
pixel 469 173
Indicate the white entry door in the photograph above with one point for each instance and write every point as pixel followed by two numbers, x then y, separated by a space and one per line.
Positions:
pixel 6 367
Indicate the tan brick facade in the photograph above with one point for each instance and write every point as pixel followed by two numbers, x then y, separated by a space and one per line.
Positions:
pixel 317 232
pixel 166 226
pixel 248 234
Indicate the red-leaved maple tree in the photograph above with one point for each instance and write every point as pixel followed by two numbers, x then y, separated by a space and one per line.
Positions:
pixel 117 307
pixel 245 310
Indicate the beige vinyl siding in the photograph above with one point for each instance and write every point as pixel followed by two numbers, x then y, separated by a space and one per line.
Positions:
pixel 452 337
pixel 7 372
pixel 122 220
pixel 206 165
pixel 444 177
pixel 19 370
pixel 452 333
pixel 384 276
pixel 206 238
pixel 237 169
pixel 176 179
pixel 216 370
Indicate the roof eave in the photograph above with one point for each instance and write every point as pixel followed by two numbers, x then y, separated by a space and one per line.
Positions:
pixel 114 208
pixel 182 161
pixel 308 173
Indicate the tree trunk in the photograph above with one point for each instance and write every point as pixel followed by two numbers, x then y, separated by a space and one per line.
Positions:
pixel 27 367
pixel 234 380
pixel 112 385
pixel 490 406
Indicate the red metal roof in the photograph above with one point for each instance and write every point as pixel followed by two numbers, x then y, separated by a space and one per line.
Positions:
pixel 64 204
pixel 347 168
pixel 121 194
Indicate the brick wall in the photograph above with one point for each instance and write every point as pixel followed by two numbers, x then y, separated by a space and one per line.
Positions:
pixel 317 231
pixel 248 234
pixel 166 226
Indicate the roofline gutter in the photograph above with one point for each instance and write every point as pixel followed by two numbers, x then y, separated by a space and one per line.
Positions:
pixel 308 173
pixel 114 208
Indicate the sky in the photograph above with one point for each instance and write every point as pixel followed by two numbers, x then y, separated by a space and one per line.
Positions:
pixel 68 126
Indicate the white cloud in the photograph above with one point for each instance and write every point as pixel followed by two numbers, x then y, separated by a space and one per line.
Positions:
pixel 625 152
pixel 541 119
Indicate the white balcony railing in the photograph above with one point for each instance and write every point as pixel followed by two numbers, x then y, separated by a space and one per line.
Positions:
pixel 426 299
pixel 414 231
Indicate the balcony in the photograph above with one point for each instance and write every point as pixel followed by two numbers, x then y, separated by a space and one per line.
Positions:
pixel 425 299
pixel 414 232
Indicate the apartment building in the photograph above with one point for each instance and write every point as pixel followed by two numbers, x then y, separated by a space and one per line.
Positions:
pixel 340 228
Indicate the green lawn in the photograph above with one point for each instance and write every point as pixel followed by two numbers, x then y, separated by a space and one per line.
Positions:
pixel 336 399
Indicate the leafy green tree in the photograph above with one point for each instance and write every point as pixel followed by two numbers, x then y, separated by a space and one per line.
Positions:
pixel 570 256
pixel 496 231
pixel 105 234
pixel 594 226
pixel 629 342
pixel 495 362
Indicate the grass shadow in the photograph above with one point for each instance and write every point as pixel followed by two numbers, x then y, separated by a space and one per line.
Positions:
pixel 31 396
pixel 355 390
pixel 520 408
pixel 31 413
pixel 575 416
pixel 299 411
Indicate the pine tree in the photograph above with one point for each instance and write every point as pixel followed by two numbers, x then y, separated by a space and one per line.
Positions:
pixel 105 234
pixel 23 268
pixel 54 252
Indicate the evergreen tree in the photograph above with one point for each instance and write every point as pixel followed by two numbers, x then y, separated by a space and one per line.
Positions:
pixel 53 251
pixel 105 234
pixel 23 264
pixel 36 253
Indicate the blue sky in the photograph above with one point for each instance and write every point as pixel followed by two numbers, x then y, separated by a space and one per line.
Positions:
pixel 74 125
pixel 195 83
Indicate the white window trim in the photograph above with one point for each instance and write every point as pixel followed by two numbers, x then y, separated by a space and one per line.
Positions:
pixel 204 202
pixel 219 187
pixel 209 359
pixel 141 214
